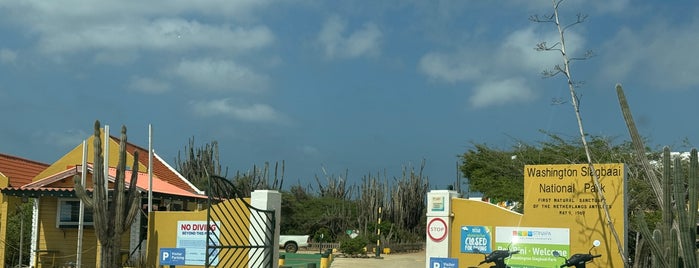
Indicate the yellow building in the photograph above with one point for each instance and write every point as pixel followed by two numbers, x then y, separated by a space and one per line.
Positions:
pixel 55 224
pixel 14 171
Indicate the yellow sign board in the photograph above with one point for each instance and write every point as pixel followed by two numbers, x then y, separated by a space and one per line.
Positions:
pixel 567 196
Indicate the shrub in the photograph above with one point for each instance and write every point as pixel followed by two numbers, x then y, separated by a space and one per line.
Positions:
pixel 353 246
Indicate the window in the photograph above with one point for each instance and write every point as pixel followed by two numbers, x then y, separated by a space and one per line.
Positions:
pixel 68 215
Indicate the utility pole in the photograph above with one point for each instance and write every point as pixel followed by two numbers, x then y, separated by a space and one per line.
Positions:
pixel 378 238
pixel 21 235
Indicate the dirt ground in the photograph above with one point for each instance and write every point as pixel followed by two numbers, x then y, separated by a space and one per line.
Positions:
pixel 400 260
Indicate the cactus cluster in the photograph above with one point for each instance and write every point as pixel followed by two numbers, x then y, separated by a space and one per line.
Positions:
pixel 112 214
pixel 673 242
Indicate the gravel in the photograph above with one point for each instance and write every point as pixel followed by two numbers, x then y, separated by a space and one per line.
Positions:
pixel 398 260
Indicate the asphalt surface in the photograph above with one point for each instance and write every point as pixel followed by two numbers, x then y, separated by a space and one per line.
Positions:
pixel 398 260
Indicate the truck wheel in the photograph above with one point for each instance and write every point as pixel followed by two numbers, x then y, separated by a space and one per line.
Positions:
pixel 291 247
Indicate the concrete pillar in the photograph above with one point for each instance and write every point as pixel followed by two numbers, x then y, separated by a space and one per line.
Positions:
pixel 265 200
pixel 35 234
pixel 135 236
pixel 439 227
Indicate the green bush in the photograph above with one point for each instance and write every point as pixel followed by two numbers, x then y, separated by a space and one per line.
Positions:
pixel 322 235
pixel 353 246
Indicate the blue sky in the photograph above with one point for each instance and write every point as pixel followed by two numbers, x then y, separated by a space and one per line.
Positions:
pixel 329 86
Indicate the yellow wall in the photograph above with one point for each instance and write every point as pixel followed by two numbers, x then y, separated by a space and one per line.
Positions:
pixel 62 242
pixel 162 229
pixel 74 157
pixel 546 205
pixel 4 204
pixel 477 213
pixel 7 203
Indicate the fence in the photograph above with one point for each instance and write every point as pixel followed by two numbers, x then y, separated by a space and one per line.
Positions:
pixel 399 247
pixel 395 247
pixel 315 246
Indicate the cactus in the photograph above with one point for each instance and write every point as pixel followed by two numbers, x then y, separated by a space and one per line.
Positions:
pixel 113 214
pixel 658 238
pixel 675 237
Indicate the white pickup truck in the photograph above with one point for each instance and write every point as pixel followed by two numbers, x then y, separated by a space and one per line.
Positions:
pixel 292 243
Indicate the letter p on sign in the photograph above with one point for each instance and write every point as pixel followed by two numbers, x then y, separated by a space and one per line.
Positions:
pixel 166 255
pixel 444 262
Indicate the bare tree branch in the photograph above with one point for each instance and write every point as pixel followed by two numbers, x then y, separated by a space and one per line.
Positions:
pixel 581 19
pixel 549 73
pixel 543 18
pixel 558 101
pixel 588 54
pixel 565 69
pixel 543 46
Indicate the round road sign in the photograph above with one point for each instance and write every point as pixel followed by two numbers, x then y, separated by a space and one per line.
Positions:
pixel 437 229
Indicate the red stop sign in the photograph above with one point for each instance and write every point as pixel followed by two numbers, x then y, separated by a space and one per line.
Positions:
pixel 437 229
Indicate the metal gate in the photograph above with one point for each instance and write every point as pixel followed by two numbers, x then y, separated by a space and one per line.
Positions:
pixel 240 234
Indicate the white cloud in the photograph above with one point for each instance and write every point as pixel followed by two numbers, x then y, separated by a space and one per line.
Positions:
pixel 491 67
pixel 514 55
pixel 450 68
pixel 625 63
pixel 225 107
pixel 599 7
pixel 159 34
pixel 81 10
pixel 116 57
pixel 612 6
pixel 309 150
pixel 67 138
pixel 101 26
pixel 518 50
pixel 501 92
pixel 221 75
pixel 365 41
pixel 659 55
pixel 148 85
pixel 7 56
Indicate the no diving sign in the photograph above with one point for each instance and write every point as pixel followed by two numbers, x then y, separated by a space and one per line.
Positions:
pixel 437 229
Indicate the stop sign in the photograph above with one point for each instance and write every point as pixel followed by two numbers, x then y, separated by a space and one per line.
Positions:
pixel 437 229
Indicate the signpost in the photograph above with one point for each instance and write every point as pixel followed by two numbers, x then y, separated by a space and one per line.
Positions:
pixel 438 241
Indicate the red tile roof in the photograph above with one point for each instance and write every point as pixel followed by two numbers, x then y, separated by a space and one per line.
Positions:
pixel 56 182
pixel 20 171
pixel 161 168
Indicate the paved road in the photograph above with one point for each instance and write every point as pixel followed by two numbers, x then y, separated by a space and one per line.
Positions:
pixel 400 260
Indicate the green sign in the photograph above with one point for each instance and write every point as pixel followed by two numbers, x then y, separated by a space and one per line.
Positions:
pixel 536 245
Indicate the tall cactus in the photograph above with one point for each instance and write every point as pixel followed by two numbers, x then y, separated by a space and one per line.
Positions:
pixel 112 214
pixel 675 236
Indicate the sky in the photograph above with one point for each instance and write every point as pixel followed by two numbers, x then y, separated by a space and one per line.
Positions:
pixel 363 88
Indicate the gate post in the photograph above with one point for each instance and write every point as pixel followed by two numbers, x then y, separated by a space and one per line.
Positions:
pixel 439 218
pixel 266 200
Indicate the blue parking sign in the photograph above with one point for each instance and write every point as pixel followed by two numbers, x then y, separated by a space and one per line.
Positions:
pixel 444 262
pixel 172 256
